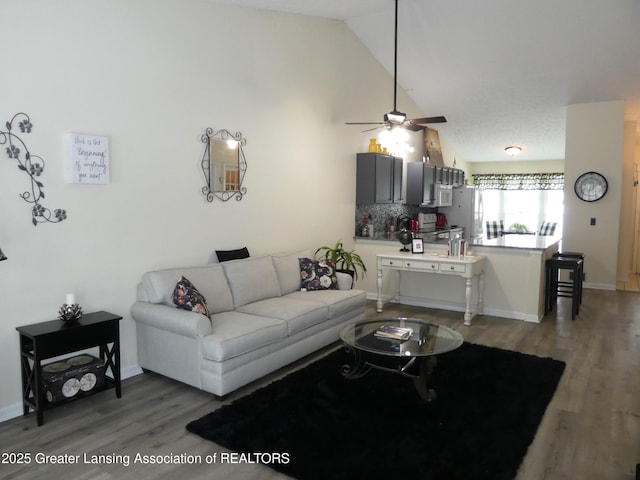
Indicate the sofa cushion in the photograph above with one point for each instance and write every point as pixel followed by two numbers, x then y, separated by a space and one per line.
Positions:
pixel 339 302
pixel 187 297
pixel 251 280
pixel 287 267
pixel 236 333
pixel 298 314
pixel 318 274
pixel 210 279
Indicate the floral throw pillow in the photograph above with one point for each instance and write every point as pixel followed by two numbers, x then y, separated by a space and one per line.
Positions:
pixel 186 296
pixel 318 274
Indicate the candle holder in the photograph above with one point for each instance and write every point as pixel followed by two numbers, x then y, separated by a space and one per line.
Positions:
pixel 70 312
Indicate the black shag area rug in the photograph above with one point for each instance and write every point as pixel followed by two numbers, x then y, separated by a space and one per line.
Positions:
pixel 489 405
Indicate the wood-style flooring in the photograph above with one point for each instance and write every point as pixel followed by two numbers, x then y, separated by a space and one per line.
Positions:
pixel 591 430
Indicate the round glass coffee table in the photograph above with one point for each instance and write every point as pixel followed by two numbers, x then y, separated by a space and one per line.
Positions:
pixel 375 344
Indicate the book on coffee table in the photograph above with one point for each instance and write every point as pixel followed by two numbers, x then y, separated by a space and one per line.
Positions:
pixel 394 333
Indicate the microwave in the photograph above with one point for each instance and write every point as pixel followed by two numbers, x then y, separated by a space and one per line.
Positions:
pixel 443 195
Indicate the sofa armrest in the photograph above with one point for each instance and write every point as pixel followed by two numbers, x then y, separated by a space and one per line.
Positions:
pixel 171 319
pixel 345 281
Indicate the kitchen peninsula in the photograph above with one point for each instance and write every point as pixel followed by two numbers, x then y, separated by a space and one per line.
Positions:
pixel 513 277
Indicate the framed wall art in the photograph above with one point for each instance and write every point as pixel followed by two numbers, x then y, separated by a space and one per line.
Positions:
pixel 88 159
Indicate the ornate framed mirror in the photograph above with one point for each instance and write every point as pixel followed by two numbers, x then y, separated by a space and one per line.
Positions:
pixel 224 165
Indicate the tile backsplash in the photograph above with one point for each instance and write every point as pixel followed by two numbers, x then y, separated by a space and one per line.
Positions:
pixel 381 215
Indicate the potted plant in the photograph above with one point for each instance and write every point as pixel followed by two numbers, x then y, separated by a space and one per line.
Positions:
pixel 349 262
pixel 518 228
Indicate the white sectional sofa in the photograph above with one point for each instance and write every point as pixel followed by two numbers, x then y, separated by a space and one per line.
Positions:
pixel 260 320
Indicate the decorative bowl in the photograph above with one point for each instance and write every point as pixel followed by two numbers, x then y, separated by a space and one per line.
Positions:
pixel 70 313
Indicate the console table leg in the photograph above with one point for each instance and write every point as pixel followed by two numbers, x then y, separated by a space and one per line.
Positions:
pixel 379 302
pixel 38 393
pixel 481 293
pixel 467 294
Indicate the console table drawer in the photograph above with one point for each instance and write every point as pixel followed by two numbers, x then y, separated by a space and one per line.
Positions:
pixel 421 265
pixel 387 262
pixel 452 267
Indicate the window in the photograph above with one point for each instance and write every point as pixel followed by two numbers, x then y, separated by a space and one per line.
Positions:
pixel 517 208
pixel 522 201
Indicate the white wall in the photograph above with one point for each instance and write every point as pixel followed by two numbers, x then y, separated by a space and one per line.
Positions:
pixel 152 75
pixel 594 141
pixel 541 166
pixel 627 205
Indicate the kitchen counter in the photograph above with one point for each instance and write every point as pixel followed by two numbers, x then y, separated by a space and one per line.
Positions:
pixel 525 242
pixel 440 236
pixel 529 242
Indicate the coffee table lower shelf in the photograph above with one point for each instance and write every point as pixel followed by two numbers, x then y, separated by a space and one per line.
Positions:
pixel 419 369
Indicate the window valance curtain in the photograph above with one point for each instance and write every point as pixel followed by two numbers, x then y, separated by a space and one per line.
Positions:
pixel 519 181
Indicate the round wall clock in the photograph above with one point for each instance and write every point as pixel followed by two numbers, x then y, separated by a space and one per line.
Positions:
pixel 591 186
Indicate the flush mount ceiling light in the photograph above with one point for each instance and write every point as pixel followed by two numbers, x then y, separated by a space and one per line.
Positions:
pixel 513 150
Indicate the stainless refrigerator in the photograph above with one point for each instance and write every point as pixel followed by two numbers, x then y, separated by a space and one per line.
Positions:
pixel 464 212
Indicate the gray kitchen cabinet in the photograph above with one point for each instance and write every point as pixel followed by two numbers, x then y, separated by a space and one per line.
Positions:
pixel 449 176
pixel 421 178
pixel 397 180
pixel 457 179
pixel 378 179
pixel 443 175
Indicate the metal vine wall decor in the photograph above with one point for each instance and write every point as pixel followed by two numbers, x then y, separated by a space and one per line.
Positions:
pixel 33 166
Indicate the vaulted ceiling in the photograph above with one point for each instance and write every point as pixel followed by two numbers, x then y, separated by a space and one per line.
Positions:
pixel 501 71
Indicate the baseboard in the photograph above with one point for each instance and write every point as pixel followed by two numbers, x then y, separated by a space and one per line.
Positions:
pixel 15 410
pixel 131 371
pixel 600 286
pixel 420 302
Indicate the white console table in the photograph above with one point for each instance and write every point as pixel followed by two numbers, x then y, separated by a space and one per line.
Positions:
pixel 466 267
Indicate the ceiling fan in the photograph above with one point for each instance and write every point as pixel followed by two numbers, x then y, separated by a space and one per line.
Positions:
pixel 395 118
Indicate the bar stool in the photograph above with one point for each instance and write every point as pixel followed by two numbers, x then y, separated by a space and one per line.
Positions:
pixel 555 289
pixel 579 255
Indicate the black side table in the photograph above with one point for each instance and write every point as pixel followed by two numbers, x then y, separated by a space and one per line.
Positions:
pixel 40 341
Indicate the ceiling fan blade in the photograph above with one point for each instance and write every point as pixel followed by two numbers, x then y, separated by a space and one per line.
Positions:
pixel 374 128
pixel 395 118
pixel 428 120
pixel 413 127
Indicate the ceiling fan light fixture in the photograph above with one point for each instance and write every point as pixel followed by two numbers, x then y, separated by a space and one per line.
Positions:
pixel 395 117
pixel 513 150
pixel 396 141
